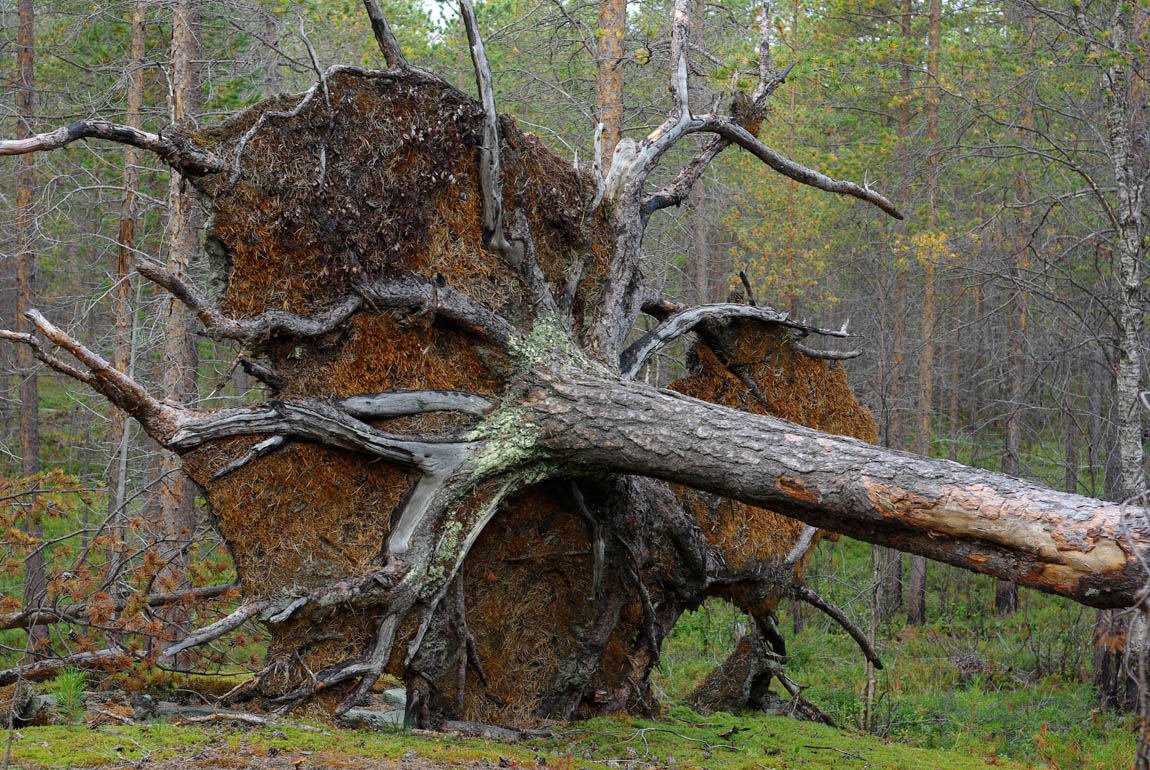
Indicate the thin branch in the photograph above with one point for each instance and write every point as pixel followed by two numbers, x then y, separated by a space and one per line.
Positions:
pixel 840 617
pixel 74 613
pixel 261 449
pixel 729 129
pixel 46 357
pixel 633 358
pixel 175 150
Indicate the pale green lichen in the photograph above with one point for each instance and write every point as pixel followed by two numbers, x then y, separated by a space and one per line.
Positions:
pixel 446 552
pixel 548 343
pixel 507 440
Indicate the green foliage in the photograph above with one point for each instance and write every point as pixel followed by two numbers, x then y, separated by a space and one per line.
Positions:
pixel 68 687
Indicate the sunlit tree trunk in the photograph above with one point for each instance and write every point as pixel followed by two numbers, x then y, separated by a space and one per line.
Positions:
pixel 609 73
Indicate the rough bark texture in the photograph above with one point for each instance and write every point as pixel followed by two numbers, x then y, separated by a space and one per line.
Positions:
pixel 181 357
pixel 516 539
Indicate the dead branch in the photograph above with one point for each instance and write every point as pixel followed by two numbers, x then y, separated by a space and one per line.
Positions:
pixel 158 418
pixel 44 669
pixel 680 187
pixel 269 377
pixel 260 449
pixel 516 245
pixel 729 129
pixel 800 548
pixel 490 165
pixel 449 555
pixel 175 150
pixel 72 613
pixel 45 356
pixel 411 292
pixel 810 597
pixel 323 424
pixel 253 330
pixel 684 321
pixel 250 719
pixel 214 631
pixel 825 355
pixel 376 406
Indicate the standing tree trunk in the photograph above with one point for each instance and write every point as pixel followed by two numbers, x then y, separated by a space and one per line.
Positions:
pixel 35 583
pixel 181 358
pixel 1126 125
pixel 701 262
pixel 123 309
pixel 609 73
pixel 916 607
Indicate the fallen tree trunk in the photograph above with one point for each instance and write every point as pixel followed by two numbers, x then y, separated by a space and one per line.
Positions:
pixel 1085 549
pixel 458 481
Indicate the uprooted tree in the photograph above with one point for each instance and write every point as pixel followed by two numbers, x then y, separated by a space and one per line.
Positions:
pixel 456 477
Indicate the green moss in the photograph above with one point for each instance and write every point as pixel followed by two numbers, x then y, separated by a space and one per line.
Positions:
pixel 754 742
pixel 690 740
pixel 70 747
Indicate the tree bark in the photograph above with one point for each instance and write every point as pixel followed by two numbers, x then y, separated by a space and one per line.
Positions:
pixel 609 73
pixel 123 309
pixel 978 520
pixel 35 582
pixel 181 357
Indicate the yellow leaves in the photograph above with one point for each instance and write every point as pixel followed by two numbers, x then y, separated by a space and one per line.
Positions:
pixel 926 247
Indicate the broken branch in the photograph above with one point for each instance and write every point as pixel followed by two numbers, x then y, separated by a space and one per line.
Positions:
pixel 388 45
pixel 684 321
pixel 175 150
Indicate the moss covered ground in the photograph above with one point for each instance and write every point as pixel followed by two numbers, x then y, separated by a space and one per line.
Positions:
pixel 679 739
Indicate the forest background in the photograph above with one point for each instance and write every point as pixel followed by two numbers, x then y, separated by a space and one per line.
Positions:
pixel 994 320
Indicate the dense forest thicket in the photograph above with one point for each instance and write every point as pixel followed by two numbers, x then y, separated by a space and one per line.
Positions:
pixel 1000 322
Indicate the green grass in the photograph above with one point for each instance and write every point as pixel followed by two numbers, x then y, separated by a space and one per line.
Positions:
pixel 970 682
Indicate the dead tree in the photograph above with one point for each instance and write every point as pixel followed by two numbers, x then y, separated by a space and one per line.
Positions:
pixel 459 479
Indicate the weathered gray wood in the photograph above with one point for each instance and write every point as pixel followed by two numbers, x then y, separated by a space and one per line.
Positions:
pixel 177 152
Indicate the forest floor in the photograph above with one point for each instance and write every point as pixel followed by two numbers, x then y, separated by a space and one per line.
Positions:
pixel 679 739
pixel 969 690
